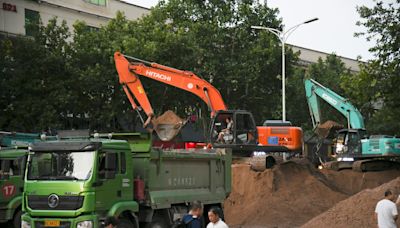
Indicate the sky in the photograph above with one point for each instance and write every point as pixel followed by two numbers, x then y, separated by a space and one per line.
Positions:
pixel 332 33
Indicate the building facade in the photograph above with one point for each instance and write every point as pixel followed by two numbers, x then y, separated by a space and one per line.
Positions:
pixel 309 56
pixel 16 14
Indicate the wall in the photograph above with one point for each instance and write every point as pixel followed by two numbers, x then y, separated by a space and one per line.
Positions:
pixel 69 10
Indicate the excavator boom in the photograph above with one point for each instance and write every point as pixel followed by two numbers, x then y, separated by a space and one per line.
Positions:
pixel 129 77
pixel 314 90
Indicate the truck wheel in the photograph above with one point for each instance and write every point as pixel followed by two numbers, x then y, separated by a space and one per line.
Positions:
pixel 270 162
pixel 17 219
pixel 157 223
pixel 125 223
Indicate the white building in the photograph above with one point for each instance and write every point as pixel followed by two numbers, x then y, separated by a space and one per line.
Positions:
pixel 308 56
pixel 15 14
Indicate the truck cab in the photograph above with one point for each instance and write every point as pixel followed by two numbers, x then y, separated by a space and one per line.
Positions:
pixel 76 183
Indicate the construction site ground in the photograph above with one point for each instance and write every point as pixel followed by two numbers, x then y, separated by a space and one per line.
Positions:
pixel 296 194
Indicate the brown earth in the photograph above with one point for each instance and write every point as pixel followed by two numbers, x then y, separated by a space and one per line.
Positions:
pixel 356 211
pixel 291 193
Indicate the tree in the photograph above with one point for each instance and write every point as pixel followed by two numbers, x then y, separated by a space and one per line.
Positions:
pixel 74 84
pixel 376 87
pixel 33 80
pixel 211 38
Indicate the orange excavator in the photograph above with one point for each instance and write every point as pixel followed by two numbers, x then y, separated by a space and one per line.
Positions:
pixel 243 137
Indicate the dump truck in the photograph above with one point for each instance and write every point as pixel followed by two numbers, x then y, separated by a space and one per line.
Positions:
pixel 13 154
pixel 12 167
pixel 79 183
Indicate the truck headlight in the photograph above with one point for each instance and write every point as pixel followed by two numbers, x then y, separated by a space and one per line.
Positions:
pixel 25 224
pixel 85 224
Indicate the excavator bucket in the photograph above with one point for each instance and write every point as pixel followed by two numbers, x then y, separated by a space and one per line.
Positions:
pixel 168 125
pixel 325 130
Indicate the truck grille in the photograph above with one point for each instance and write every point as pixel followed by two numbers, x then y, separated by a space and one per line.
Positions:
pixel 63 224
pixel 65 203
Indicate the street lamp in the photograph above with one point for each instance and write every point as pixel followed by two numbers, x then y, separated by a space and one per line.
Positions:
pixel 283 36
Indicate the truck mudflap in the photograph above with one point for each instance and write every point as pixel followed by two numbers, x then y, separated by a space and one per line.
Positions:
pixel 39 222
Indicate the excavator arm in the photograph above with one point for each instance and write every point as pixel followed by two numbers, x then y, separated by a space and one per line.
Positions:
pixel 129 73
pixel 314 90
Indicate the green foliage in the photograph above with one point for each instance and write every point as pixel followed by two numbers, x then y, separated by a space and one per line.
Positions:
pixel 70 81
pixel 378 82
pixel 33 73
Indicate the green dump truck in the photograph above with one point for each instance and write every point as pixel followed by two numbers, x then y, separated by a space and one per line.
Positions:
pixel 12 165
pixel 13 154
pixel 78 183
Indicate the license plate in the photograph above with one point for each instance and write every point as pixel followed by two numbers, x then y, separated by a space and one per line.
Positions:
pixel 51 223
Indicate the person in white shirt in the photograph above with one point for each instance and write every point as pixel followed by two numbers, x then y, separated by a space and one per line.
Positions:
pixel 386 211
pixel 214 215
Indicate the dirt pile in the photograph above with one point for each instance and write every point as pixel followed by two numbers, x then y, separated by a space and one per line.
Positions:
pixel 286 196
pixel 292 193
pixel 356 211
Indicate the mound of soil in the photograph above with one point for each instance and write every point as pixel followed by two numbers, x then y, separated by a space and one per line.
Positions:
pixel 292 193
pixel 286 196
pixel 356 211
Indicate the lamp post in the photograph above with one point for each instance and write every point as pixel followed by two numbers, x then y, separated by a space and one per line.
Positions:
pixel 283 36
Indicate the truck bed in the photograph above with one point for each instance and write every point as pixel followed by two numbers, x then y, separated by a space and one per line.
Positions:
pixel 180 176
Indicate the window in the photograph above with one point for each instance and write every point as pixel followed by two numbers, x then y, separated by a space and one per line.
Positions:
pixel 10 167
pixel 108 165
pixel 97 2
pixel 66 165
pixel 92 28
pixel 31 22
pixel 123 163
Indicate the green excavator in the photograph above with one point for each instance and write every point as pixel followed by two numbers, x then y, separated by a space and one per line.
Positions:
pixel 353 148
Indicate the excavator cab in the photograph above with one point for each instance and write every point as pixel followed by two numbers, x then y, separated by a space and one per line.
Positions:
pixel 348 142
pixel 233 128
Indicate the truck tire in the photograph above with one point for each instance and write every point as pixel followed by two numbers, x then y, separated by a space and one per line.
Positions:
pixel 158 223
pixel 270 162
pixel 125 223
pixel 17 219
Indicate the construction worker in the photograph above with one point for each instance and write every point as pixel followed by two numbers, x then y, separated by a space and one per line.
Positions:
pixel 214 215
pixel 193 218
pixel 227 130
pixel 386 211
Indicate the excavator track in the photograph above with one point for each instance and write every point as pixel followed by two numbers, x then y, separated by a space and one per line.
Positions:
pixel 337 165
pixel 369 165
